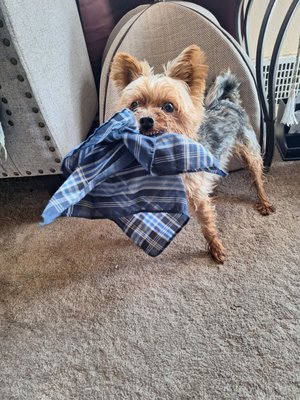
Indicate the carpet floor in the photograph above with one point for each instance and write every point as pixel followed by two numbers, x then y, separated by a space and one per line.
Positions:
pixel 87 315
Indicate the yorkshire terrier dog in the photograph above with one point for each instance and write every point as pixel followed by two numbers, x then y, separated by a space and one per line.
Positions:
pixel 174 102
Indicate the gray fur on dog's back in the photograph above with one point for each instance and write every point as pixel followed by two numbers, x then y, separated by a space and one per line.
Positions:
pixel 226 122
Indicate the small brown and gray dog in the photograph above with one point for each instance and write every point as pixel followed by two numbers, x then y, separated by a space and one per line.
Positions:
pixel 174 102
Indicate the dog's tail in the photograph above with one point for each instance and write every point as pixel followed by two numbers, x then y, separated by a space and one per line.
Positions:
pixel 225 86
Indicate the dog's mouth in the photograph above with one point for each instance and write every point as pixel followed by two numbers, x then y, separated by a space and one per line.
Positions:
pixel 151 133
pixel 147 126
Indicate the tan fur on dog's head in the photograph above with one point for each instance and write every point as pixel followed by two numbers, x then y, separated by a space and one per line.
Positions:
pixel 169 102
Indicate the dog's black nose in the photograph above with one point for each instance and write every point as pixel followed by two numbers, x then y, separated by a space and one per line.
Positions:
pixel 147 123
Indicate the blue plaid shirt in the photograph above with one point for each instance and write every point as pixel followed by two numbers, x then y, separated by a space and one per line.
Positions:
pixel 132 179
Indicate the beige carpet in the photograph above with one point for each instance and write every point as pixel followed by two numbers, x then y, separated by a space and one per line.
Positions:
pixel 86 315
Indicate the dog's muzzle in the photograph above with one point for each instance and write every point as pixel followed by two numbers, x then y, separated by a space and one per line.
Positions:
pixel 146 123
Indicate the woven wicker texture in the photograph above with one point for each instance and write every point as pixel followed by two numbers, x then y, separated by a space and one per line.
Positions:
pixel 127 18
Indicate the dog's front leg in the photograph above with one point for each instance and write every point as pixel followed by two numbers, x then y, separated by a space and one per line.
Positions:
pixel 198 187
pixel 206 217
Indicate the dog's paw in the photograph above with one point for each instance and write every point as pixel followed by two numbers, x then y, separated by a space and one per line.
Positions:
pixel 217 251
pixel 265 208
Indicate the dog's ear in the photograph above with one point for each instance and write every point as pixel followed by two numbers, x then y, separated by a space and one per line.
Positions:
pixel 189 67
pixel 126 68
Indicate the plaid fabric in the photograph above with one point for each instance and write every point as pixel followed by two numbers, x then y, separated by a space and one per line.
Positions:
pixel 131 179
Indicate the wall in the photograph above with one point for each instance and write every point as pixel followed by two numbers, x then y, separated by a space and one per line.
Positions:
pixel 290 43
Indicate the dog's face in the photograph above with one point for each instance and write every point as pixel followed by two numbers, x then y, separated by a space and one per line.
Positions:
pixel 169 102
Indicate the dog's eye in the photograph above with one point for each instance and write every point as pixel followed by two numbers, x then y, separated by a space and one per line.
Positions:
pixel 134 105
pixel 168 107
